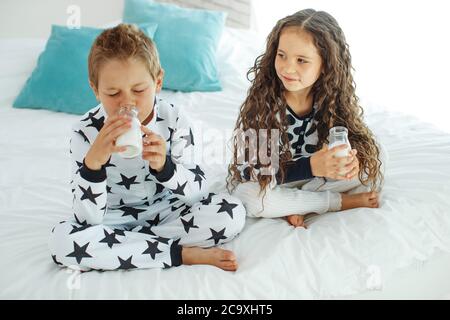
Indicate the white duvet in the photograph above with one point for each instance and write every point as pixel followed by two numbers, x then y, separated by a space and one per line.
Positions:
pixel 339 254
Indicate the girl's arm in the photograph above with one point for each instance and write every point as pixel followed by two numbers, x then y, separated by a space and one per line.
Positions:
pixel 298 169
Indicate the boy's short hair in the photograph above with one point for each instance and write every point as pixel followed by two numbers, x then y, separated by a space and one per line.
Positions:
pixel 122 42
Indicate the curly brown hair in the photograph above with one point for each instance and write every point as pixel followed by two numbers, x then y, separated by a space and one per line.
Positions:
pixel 333 93
pixel 122 42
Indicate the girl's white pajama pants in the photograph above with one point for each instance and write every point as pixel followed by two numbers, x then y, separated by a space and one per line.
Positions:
pixel 317 195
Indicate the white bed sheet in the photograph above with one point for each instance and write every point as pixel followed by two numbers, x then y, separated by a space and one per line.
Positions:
pixel 337 256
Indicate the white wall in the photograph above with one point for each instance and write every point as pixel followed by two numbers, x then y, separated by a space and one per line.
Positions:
pixel 33 18
pixel 400 50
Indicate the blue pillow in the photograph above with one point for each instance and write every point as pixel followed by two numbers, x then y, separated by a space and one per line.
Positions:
pixel 60 80
pixel 187 41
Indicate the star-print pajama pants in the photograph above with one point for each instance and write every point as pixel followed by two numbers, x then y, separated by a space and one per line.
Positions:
pixel 154 240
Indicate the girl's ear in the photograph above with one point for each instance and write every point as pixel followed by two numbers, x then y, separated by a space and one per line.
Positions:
pixel 94 88
pixel 159 81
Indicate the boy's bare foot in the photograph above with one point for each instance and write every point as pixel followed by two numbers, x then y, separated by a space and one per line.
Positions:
pixel 221 258
pixel 366 199
pixel 296 220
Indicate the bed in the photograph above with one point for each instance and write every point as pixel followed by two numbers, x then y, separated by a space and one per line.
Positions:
pixel 400 250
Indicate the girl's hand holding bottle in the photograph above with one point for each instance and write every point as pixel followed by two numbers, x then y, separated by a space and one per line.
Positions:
pixel 326 163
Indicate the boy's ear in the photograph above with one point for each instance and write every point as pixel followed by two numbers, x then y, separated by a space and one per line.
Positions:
pixel 159 80
pixel 94 88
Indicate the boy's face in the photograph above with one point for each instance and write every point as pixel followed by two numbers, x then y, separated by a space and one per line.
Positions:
pixel 122 82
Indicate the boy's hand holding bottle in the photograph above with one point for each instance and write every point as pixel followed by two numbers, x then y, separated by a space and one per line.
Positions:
pixel 105 143
pixel 154 149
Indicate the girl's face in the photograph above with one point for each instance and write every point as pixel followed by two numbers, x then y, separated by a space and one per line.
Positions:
pixel 122 82
pixel 297 63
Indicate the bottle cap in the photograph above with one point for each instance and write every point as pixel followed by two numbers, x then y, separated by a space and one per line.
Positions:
pixel 339 130
pixel 128 109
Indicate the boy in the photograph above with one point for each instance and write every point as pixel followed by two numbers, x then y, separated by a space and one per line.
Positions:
pixel 151 211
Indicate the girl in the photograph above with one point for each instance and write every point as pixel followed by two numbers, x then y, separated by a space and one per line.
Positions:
pixel 303 86
pixel 151 211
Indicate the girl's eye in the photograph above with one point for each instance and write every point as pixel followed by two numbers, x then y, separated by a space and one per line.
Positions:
pixel 301 61
pixel 113 95
pixel 139 91
pixel 280 55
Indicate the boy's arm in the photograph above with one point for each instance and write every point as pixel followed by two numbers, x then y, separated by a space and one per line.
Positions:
pixel 181 174
pixel 88 186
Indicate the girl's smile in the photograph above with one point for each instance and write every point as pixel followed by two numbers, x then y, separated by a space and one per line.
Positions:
pixel 289 79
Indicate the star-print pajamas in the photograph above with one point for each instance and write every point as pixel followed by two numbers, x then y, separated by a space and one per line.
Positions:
pixel 301 192
pixel 126 215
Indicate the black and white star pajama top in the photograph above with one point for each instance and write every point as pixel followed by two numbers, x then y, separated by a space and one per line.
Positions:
pixel 126 215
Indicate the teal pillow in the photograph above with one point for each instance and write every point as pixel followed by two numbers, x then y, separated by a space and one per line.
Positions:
pixel 60 80
pixel 187 41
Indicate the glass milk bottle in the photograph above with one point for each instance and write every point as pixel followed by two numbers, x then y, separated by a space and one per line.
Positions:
pixel 132 138
pixel 338 136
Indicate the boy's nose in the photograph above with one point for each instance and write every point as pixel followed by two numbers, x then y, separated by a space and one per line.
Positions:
pixel 128 99
pixel 128 104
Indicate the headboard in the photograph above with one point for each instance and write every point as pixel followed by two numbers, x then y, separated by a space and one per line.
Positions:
pixel 239 11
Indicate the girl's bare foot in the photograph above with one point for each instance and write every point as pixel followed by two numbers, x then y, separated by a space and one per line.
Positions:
pixel 221 258
pixel 296 220
pixel 366 199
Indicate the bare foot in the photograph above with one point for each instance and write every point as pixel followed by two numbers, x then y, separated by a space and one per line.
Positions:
pixel 296 220
pixel 221 258
pixel 366 199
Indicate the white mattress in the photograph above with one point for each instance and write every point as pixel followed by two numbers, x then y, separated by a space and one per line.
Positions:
pixel 339 255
